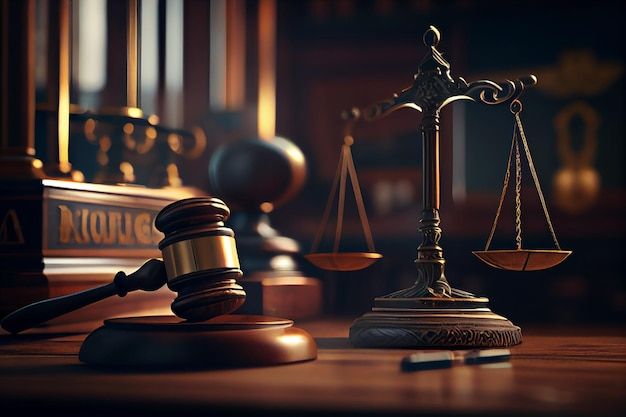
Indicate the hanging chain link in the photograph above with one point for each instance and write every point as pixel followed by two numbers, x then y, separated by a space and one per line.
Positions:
pixel 345 168
pixel 518 192
pixel 345 149
pixel 502 194
pixel 533 172
pixel 329 204
pixel 358 196
pixel 516 108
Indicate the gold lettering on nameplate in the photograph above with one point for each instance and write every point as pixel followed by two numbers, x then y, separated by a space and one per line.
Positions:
pixel 142 228
pixel 106 227
pixel 11 229
pixel 84 228
pixel 126 235
pixel 101 230
pixel 67 229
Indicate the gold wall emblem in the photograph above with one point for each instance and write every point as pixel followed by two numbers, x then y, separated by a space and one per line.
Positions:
pixel 576 184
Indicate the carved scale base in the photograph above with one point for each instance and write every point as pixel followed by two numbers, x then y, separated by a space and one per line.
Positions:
pixel 433 322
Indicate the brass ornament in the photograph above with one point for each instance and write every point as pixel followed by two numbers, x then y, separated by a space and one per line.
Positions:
pixel 576 185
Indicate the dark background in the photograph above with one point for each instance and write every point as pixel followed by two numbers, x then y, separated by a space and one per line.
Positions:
pixel 333 55
pixel 338 54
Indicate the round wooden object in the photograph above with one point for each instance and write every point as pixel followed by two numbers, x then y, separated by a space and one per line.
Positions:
pixel 222 342
pixel 250 172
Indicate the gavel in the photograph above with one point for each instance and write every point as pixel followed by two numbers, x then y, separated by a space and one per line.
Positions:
pixel 200 264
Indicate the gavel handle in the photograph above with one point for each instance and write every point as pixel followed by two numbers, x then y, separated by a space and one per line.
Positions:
pixel 42 311
pixel 150 277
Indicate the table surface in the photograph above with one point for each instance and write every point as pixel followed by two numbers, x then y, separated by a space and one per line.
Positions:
pixel 553 372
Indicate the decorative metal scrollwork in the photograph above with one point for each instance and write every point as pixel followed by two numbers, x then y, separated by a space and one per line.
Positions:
pixel 434 86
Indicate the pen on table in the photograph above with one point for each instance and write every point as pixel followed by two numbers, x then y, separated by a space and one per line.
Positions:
pixel 446 359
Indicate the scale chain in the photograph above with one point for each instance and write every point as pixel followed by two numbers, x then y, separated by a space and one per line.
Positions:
pixel 533 172
pixel 342 196
pixel 518 190
pixel 359 202
pixel 507 176
pixel 329 204
pixel 345 168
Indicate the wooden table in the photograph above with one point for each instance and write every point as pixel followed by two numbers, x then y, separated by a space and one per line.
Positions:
pixel 554 372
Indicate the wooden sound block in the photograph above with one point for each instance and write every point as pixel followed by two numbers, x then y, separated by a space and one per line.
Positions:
pixel 227 341
pixel 433 322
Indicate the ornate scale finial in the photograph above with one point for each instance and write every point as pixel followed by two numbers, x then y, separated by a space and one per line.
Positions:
pixel 431 37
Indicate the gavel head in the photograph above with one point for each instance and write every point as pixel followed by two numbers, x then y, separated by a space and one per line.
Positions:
pixel 200 258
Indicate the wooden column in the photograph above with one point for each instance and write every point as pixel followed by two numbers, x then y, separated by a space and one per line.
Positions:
pixel 17 82
pixel 120 95
pixel 196 35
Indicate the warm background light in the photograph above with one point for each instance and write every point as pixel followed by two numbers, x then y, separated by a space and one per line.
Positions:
pixel 64 88
pixel 267 69
pixel 132 60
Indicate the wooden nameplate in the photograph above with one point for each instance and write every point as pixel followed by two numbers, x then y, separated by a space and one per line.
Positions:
pixel 222 342
pixel 433 322
pixel 59 237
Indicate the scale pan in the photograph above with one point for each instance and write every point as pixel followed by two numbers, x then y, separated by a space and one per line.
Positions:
pixel 523 259
pixel 344 261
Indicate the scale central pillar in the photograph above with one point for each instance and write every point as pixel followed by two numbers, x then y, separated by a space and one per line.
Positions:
pixel 430 262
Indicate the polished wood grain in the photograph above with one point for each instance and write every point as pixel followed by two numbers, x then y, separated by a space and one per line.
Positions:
pixel 554 372
pixel 223 342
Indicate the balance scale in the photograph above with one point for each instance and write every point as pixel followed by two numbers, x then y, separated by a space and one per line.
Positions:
pixel 431 313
